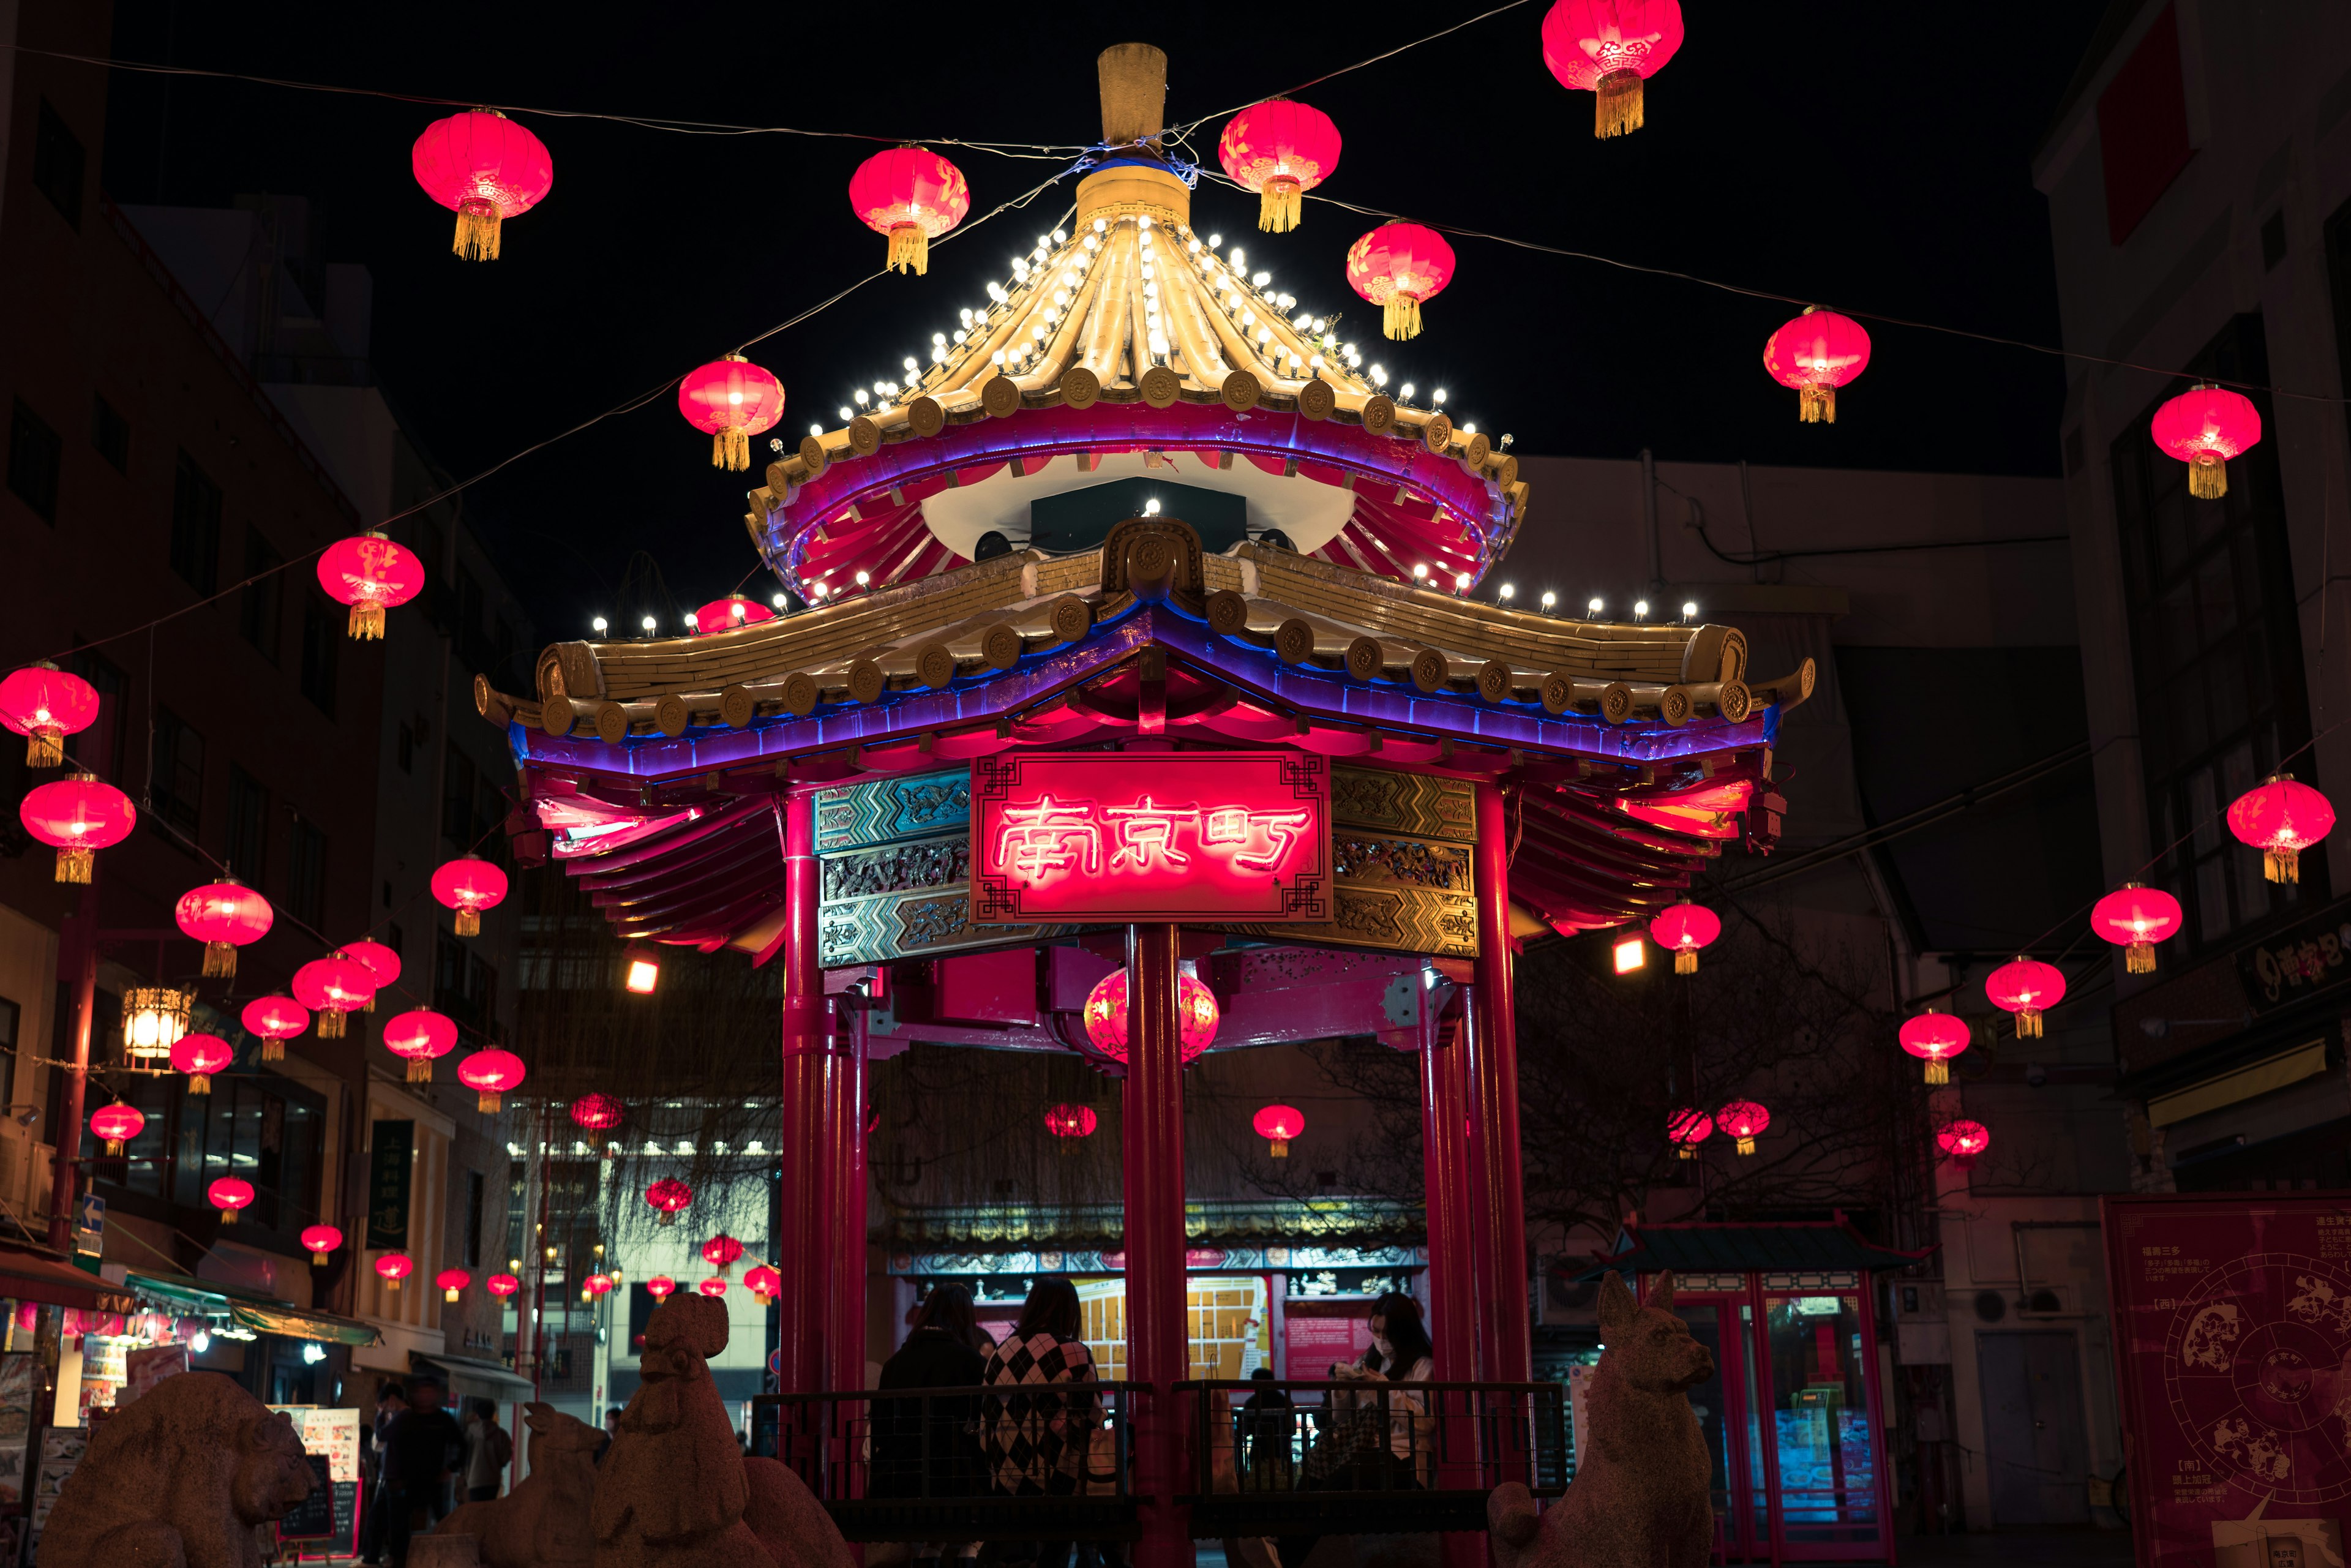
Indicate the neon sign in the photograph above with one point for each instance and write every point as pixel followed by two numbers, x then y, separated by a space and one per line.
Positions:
pixel 1142 836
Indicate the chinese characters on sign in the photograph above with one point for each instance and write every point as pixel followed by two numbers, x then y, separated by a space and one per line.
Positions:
pixel 1183 835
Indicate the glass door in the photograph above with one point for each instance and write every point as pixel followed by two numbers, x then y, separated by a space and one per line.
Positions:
pixel 1816 1353
pixel 1725 1406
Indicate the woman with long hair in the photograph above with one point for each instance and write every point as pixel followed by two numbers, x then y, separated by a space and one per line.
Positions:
pixel 1378 1436
pixel 925 1447
pixel 1037 1428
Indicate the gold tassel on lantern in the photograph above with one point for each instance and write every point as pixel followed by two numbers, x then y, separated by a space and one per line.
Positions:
pixel 2028 1024
pixel 1279 205
pixel 478 229
pixel 1816 405
pixel 1402 320
pixel 228 1216
pixel 1684 960
pixel 1685 1151
pixel 2208 480
pixel 74 865
pixel 731 449
pixel 44 747
pixel 366 623
pixel 469 922
pixel 910 249
pixel 420 1070
pixel 220 961
pixel 275 1050
pixel 1938 1071
pixel 1747 1145
pixel 200 1082
pixel 2277 865
pixel 1280 1147
pixel 2138 959
pixel 1617 111
pixel 489 1101
pixel 331 1024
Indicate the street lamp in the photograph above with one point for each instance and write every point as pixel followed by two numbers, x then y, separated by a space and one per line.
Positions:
pixel 153 1018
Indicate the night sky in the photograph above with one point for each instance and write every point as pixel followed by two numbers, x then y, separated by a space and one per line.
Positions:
pixel 1866 156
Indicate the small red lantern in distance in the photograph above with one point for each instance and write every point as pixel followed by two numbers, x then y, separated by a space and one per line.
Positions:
pixel 2134 918
pixel 2281 819
pixel 597 1113
pixel 276 1020
pixel 224 915
pixel 469 884
pixel 490 1073
pixel 2204 427
pixel 393 1268
pixel 229 1193
pixel 453 1282
pixel 764 1283
pixel 1682 930
pixel 117 1124
pixel 44 705
pixel 1070 1122
pixel 502 1285
pixel 1277 1124
pixel 381 963
pixel 720 614
pixel 714 1286
pixel 1745 1120
pixel 1936 1038
pixel 370 574
pixel 720 1252
pixel 1280 150
pixel 2027 988
pixel 332 987
pixel 1963 1141
pixel 597 1285
pixel 421 1037
pixel 320 1240
pixel 1400 267
pixel 1686 1129
pixel 200 1056
pixel 487 168
pixel 1816 353
pixel 732 399
pixel 913 196
pixel 1608 47
pixel 78 816
pixel 668 1197
pixel 660 1286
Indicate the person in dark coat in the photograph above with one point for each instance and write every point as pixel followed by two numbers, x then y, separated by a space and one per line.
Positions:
pixel 931 1446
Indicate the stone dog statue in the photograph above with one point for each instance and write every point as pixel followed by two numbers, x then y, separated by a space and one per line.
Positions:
pixel 543 1523
pixel 178 1479
pixel 1640 1495
pixel 672 1489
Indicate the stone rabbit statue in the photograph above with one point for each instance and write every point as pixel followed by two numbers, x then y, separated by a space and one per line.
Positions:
pixel 543 1523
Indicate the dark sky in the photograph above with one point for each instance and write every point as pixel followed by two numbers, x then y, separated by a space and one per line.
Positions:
pixel 1865 155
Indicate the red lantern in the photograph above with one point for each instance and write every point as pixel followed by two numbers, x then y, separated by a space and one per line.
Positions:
pixel 720 1252
pixel 1745 1120
pixel 370 574
pixel 1683 930
pixel 1686 1129
pixel 502 1285
pixel 379 961
pixel 1070 1122
pixel 78 816
pixel 276 1020
pixel 733 400
pixel 487 168
pixel 660 1286
pixel 44 705
pixel 1963 1141
pixel 200 1056
pixel 453 1282
pixel 393 1268
pixel 332 987
pixel 913 196
pixel 1609 47
pixel 229 1193
pixel 1816 353
pixel 714 1286
pixel 318 1240
pixel 421 1038
pixel 117 1124
pixel 764 1283
pixel 224 915
pixel 1399 268
pixel 721 614
pixel 2278 817
pixel 469 884
pixel 490 1073
pixel 1277 1124
pixel 2134 918
pixel 1105 1015
pixel 1936 1038
pixel 596 1286
pixel 597 1113
pixel 668 1197
pixel 2204 427
pixel 2027 988
pixel 1280 150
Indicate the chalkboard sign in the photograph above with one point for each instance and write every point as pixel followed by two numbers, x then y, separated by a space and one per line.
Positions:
pixel 313 1519
pixel 393 1157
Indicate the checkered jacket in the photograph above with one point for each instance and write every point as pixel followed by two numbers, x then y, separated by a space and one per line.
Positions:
pixel 1036 1438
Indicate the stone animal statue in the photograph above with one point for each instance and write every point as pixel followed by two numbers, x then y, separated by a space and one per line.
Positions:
pixel 789 1522
pixel 177 1478
pixel 1640 1495
pixel 543 1523
pixel 672 1489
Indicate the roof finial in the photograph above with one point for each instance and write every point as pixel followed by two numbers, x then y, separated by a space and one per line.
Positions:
pixel 1134 93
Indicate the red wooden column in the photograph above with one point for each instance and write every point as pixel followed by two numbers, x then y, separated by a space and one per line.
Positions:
pixel 845 1336
pixel 804 1252
pixel 1506 1350
pixel 1445 1167
pixel 1156 1329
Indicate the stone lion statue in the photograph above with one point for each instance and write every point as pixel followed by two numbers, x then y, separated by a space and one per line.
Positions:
pixel 178 1479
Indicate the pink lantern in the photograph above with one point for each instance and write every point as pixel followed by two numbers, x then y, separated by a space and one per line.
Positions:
pixel 724 615
pixel 78 816
pixel 1745 1120
pixel 668 1197
pixel 1277 1124
pixel 200 1056
pixel 1280 150
pixel 2204 427
pixel 1608 47
pixel 720 1252
pixel 379 961
pixel 2278 817
pixel 733 400
pixel 44 705
pixel 1682 930
pixel 224 915
pixel 332 987
pixel 2134 918
pixel 1963 1141
pixel 660 1286
pixel 419 1037
pixel 1686 1129
pixel 490 1074
pixel 1936 1038
pixel 117 1124
pixel 913 196
pixel 597 1285
pixel 229 1193
pixel 453 1282
pixel 487 168
pixel 276 1020
pixel 2027 988
pixel 1816 353
pixel 712 1286
pixel 1105 1015
pixel 469 884
pixel 764 1283
pixel 393 1268
pixel 502 1285
pixel 318 1240
pixel 370 574
pixel 1399 268
pixel 597 1113
pixel 1070 1122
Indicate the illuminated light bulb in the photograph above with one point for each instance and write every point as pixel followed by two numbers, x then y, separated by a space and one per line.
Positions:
pixel 1507 592
pixel 1260 279
pixel 1689 611
pixel 1355 361
pixel 1248 318
pixel 1640 608
pixel 938 337
pixel 1215 241
pixel 1237 258
pixel 860 397
pixel 1595 606
pixel 1043 240
pixel 1151 508
pixel 1287 301
pixel 816 430
pixel 846 415
pixel 650 624
pixel 1059 237
pixel 938 353
pixel 1193 244
pixel 1405 391
pixel 1321 328
pixel 1142 221
pixel 1549 598
pixel 996 291
pixel 780 601
pixel 600 624
pixel 1379 377
pixel 911 368
pixel 997 358
pixel 1469 430
pixel 1420 571
pixel 1265 334
pixel 864 578
pixel 1460 583
pixel 1630 954
pixel 1438 395
pixel 818 590
pixel 1316 361
pixel 1303 322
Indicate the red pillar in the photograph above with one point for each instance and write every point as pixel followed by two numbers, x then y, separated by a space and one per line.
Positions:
pixel 1157 1334
pixel 845 1335
pixel 804 1251
pixel 1506 1352
pixel 77 967
pixel 1445 1164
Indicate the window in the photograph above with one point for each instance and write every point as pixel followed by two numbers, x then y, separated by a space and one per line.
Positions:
pixel 35 456
pixel 2142 128
pixel 306 874
pixel 256 605
pixel 101 747
pixel 266 1129
pixel 463 986
pixel 195 526
pixel 322 641
pixel 58 164
pixel 176 775
pixel 248 826
pixel 458 777
pixel 477 1196
pixel 109 433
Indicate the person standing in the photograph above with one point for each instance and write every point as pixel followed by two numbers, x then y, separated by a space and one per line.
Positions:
pixel 423 1447
pixel 390 1401
pixel 1035 1441
pixel 924 1447
pixel 488 1450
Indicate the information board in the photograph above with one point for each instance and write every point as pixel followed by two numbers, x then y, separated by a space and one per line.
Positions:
pixel 20 1385
pixel 61 1450
pixel 312 1519
pixel 391 1159
pixel 331 1436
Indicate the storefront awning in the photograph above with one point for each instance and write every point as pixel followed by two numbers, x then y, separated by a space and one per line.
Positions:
pixel 38 1277
pixel 467 1375
pixel 262 1313
pixel 296 1323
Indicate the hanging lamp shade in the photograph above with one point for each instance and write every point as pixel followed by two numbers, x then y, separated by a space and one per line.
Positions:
pixel 370 574
pixel 1070 1122
pixel 733 400
pixel 117 1124
pixel 2134 918
pixel 1281 149
pixel 1744 1120
pixel 453 1282
pixel 720 1252
pixel 1277 1124
pixel 1682 930
pixel 502 1285
pixel 712 1286
pixel 318 1240
pixel 224 915
pixel 1400 267
pixel 764 1283
pixel 419 1037
pixel 78 816
pixel 597 1113
pixel 1608 48
pixel 485 169
pixel 491 1074
pixel 735 610
pixel 276 1020
pixel 660 1287
pixel 2278 817
pixel 1963 1141
pixel 1686 1129
pixel 44 705
pixel 1105 1015
pixel 1935 1037
pixel 393 1268
pixel 669 1197
pixel 2027 988
pixel 200 1056
pixel 911 195
pixel 1816 353
pixel 155 1018
pixel 332 987
pixel 229 1193
pixel 2205 427
pixel 469 884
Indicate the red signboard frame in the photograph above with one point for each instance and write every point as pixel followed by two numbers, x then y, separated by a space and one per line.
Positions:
pixel 1113 837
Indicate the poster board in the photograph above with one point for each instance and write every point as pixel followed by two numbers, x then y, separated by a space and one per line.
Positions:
pixel 2232 1321
pixel 148 1366
pixel 330 1435
pixel 1312 1340
pixel 61 1450
pixel 1228 1320
pixel 20 1386
pixel 105 1368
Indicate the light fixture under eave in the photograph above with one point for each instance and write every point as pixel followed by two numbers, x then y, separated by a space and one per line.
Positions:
pixel 1630 953
pixel 153 1018
pixel 641 969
